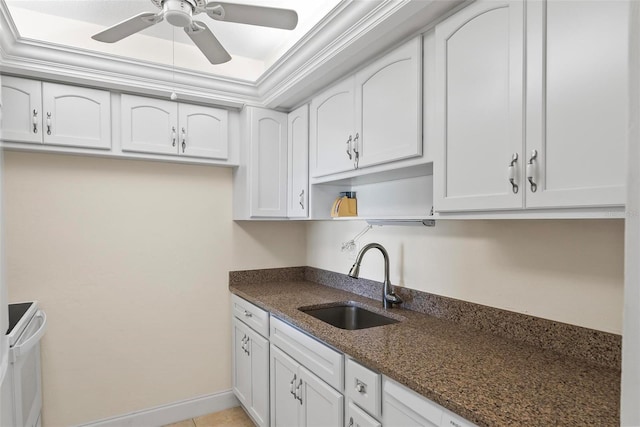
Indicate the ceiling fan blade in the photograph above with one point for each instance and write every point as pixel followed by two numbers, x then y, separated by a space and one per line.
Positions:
pixel 285 19
pixel 204 39
pixel 127 27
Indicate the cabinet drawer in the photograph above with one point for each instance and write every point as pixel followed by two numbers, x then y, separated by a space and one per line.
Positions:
pixel 363 386
pixel 356 417
pixel 449 419
pixel 255 317
pixel 404 407
pixel 323 361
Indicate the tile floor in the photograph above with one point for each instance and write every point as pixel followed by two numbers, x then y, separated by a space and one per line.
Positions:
pixel 234 417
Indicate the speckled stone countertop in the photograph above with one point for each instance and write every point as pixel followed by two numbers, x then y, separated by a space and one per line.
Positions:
pixel 489 380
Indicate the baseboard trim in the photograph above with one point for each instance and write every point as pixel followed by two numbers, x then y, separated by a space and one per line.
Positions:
pixel 172 412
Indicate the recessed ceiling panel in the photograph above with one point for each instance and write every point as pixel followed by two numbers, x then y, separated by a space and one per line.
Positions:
pixel 253 49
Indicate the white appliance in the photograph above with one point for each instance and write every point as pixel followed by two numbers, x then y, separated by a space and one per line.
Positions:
pixel 22 387
pixel 4 311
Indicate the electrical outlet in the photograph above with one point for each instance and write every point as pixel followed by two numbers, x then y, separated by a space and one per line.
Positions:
pixel 352 252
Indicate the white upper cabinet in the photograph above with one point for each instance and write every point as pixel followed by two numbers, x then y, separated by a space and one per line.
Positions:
pixel 577 103
pixel 372 117
pixel 332 123
pixel 479 55
pixel 21 110
pixel 268 163
pixel 55 114
pixel 572 154
pixel 261 180
pixel 164 127
pixel 203 131
pixel 298 152
pixel 149 125
pixel 389 107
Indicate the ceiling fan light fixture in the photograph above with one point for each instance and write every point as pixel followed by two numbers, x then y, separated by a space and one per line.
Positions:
pixel 178 12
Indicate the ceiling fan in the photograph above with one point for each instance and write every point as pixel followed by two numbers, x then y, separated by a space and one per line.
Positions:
pixel 180 13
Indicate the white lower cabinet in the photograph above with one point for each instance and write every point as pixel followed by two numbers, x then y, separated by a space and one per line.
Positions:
pixel 290 379
pixel 300 398
pixel 251 369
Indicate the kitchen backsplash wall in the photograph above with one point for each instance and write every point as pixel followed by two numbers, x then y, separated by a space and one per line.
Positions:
pixel 130 261
pixel 569 271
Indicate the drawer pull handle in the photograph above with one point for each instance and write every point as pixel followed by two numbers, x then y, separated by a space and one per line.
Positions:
pixel 349 148
pixel 35 121
pixel 48 123
pixel 302 199
pixel 184 139
pixel 350 422
pixel 247 314
pixel 361 387
pixel 299 392
pixel 173 136
pixel 293 393
pixel 356 161
pixel 512 173
pixel 531 170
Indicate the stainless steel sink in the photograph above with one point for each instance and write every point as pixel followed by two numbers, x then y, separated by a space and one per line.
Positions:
pixel 348 316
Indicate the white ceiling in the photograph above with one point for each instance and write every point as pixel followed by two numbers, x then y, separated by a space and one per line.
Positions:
pixel 254 49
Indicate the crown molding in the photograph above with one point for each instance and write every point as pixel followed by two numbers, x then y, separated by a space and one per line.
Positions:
pixel 353 32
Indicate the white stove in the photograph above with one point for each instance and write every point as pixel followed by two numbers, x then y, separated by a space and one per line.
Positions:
pixel 27 325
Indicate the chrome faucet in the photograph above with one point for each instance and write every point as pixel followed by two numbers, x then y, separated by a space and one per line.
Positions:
pixel 388 297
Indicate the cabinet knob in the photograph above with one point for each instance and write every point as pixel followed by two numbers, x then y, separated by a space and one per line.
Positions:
pixel 35 121
pixel 512 173
pixel 361 387
pixel 531 170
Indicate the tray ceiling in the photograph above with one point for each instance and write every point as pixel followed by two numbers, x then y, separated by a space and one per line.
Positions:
pixel 254 49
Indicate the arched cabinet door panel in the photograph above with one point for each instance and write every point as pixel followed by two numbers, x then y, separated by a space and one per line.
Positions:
pixel 149 125
pixel 479 75
pixel 577 103
pixel 332 124
pixel 203 132
pixel 389 106
pixel 268 163
pixel 76 116
pixel 21 110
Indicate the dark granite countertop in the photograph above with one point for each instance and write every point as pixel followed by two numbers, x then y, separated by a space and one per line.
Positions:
pixel 489 380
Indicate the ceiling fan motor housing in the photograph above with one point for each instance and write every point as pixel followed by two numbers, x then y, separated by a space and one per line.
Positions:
pixel 178 12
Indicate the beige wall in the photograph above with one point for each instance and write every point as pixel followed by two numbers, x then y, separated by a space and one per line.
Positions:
pixel 130 259
pixel 568 271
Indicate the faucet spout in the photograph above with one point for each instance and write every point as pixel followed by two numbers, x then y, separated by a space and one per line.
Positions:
pixel 388 296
